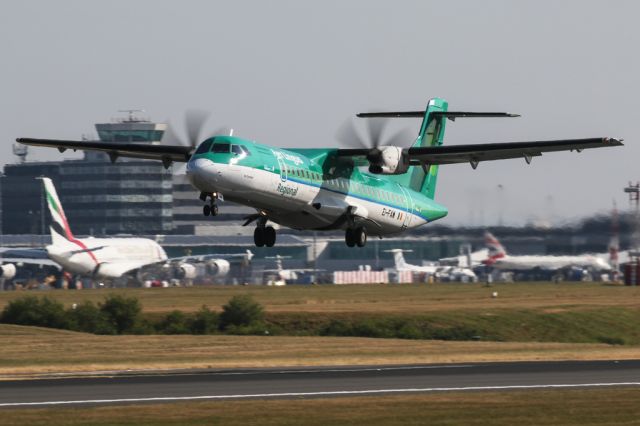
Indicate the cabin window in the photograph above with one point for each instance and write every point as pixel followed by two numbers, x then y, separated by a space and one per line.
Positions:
pixel 221 148
pixel 204 147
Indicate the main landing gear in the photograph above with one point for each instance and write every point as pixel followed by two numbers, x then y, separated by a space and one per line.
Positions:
pixel 210 209
pixel 356 236
pixel 264 235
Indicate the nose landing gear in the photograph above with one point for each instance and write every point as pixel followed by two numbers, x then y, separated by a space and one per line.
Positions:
pixel 210 209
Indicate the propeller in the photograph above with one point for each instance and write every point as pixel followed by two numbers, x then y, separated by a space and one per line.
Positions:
pixel 194 122
pixel 349 136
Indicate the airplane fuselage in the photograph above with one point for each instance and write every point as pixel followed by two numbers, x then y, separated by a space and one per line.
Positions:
pixel 106 257
pixel 305 189
pixel 549 263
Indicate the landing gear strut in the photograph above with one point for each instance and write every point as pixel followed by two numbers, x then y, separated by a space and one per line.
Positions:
pixel 356 236
pixel 210 209
pixel 264 235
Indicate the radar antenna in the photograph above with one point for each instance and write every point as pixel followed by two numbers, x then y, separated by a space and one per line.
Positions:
pixel 131 113
pixel 21 152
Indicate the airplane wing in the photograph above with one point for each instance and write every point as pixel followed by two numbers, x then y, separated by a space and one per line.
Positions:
pixel 26 256
pixel 475 153
pixel 164 153
pixel 29 261
pixel 248 255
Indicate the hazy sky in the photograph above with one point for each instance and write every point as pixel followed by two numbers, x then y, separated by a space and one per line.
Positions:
pixel 289 73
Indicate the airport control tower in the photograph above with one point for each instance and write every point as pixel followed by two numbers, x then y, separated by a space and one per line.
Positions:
pixel 131 196
pixel 132 128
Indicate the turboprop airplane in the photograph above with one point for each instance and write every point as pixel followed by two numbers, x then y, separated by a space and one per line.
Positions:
pixel 324 188
pixel 286 275
pixel 111 258
pixel 499 259
pixel 456 273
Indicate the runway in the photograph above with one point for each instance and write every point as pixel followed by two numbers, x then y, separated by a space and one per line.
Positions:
pixel 314 382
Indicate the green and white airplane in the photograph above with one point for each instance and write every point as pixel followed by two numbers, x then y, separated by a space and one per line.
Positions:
pixel 325 188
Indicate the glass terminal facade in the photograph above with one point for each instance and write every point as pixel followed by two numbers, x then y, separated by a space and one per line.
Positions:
pixel 99 198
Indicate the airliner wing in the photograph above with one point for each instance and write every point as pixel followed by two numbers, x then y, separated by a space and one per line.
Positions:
pixel 450 154
pixel 476 153
pixel 26 256
pixel 164 153
pixel 29 261
pixel 248 255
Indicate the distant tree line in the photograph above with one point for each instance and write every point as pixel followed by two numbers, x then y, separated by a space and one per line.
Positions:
pixel 117 314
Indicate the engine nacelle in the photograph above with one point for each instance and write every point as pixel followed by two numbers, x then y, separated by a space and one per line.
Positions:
pixel 187 271
pixel 390 161
pixel 7 271
pixel 218 267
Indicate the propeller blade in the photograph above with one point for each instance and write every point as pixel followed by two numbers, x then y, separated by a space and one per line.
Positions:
pixel 375 126
pixel 348 136
pixel 194 121
pixel 170 137
pixel 401 138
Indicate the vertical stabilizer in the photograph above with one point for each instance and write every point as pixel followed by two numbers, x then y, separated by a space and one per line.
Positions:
pixel 431 134
pixel 60 230
pixel 496 251
pixel 398 259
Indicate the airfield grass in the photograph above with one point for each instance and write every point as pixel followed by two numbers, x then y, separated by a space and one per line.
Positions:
pixel 381 298
pixel 439 323
pixel 33 351
pixel 617 406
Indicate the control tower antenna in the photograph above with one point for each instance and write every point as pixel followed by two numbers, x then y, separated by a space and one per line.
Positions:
pixel 131 113
pixel 21 152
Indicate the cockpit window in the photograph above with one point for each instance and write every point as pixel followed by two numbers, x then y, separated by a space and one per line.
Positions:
pixel 221 148
pixel 236 149
pixel 204 147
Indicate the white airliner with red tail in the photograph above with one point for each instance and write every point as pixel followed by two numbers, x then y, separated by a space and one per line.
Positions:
pixel 111 258
pixel 499 259
pixel 101 257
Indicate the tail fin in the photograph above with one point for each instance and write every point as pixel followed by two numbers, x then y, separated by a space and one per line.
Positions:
pixel 398 258
pixel 496 251
pixel 431 134
pixel 60 230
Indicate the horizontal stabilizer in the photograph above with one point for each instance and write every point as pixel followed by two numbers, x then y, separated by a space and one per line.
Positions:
pixel 451 115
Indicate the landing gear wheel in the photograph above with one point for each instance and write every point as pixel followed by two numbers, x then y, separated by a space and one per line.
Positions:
pixel 349 237
pixel 360 236
pixel 269 236
pixel 206 210
pixel 258 236
pixel 214 210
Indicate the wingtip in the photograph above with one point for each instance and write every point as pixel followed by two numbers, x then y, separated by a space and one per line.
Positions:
pixel 613 141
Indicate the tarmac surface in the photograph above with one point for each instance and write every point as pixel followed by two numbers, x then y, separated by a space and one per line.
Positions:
pixel 192 385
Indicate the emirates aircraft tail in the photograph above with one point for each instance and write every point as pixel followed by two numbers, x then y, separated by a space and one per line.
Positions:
pixel 60 231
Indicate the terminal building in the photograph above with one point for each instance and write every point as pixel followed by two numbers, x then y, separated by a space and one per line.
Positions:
pixel 130 196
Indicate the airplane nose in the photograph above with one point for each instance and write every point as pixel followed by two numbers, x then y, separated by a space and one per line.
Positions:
pixel 202 174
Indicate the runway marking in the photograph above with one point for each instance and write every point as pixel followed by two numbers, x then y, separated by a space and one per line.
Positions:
pixel 302 394
pixel 158 373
